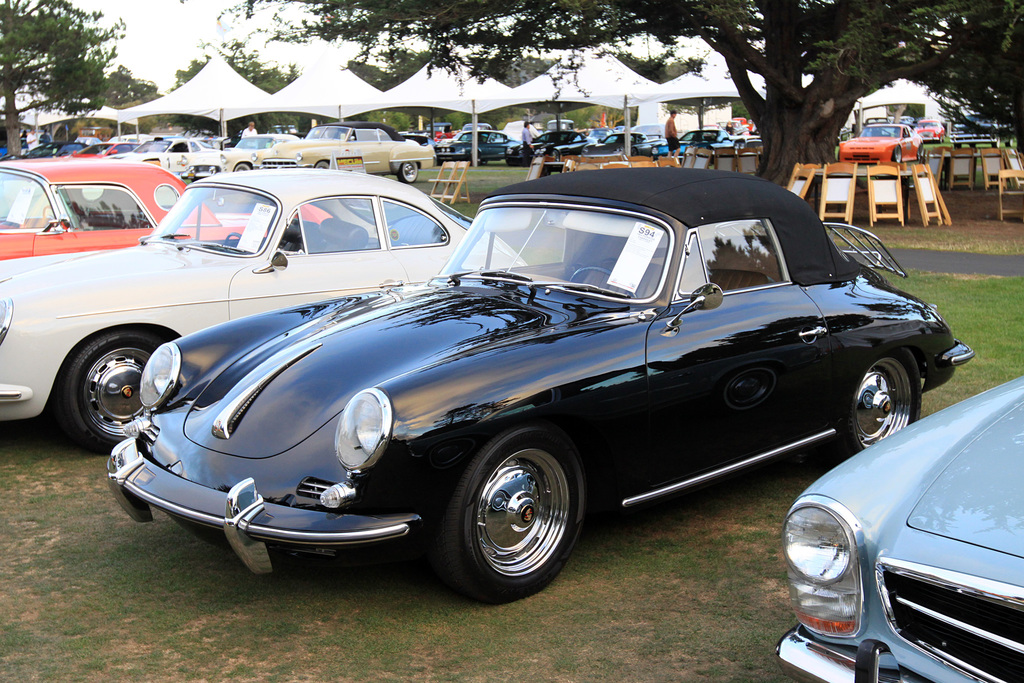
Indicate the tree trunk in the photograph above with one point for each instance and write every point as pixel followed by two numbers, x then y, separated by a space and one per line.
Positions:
pixel 11 124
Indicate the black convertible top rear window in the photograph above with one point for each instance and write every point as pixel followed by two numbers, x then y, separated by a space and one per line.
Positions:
pixel 696 197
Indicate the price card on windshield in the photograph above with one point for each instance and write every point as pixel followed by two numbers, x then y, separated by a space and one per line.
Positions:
pixel 19 209
pixel 636 257
pixel 256 228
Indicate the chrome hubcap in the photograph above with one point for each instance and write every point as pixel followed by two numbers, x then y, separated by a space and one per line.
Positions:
pixel 522 512
pixel 112 387
pixel 883 401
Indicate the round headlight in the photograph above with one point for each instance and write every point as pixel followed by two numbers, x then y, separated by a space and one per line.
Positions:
pixel 298 156
pixel 816 544
pixel 160 375
pixel 364 429
pixel 252 156
pixel 6 316
pixel 819 540
pixel 223 160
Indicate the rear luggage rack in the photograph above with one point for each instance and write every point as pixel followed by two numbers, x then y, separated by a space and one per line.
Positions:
pixel 863 247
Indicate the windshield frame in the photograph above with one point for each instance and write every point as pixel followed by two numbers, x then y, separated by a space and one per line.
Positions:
pixel 564 285
pixel 47 193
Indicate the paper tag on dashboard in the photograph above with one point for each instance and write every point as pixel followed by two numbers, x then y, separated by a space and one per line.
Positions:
pixel 256 228
pixel 635 258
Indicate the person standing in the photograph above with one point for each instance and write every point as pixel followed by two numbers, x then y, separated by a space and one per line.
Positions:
pixel 527 148
pixel 250 130
pixel 672 135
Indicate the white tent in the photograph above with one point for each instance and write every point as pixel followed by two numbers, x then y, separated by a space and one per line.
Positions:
pixel 899 92
pixel 214 93
pixel 712 88
pixel 327 88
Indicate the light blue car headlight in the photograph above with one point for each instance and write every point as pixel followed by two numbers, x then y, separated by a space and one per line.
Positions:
pixel 6 316
pixel 820 542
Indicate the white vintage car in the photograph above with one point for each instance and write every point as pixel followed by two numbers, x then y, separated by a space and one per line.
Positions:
pixel 242 157
pixel 75 334
pixel 174 154
pixel 378 148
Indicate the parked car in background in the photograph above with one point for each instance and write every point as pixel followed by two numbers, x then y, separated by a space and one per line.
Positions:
pixel 491 146
pixel 597 134
pixel 554 143
pixel 930 130
pixel 75 335
pixel 586 325
pixel 615 143
pixel 380 148
pixel 974 130
pixel 174 154
pixel 48 149
pixel 879 143
pixel 479 126
pixel 66 206
pixel 105 149
pixel 906 563
pixel 711 137
pixel 244 156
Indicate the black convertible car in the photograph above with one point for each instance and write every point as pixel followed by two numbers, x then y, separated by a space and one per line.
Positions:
pixel 599 341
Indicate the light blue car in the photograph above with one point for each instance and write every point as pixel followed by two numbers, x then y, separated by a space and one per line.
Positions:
pixel 906 562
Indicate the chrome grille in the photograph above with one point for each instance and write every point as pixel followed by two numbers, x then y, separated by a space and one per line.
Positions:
pixel 278 163
pixel 973 624
pixel 311 487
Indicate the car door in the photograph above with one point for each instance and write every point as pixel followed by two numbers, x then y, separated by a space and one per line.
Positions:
pixel 102 217
pixel 738 381
pixel 334 247
pixel 375 152
pixel 419 242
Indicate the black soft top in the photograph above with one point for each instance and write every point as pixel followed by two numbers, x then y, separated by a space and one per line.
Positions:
pixel 392 133
pixel 696 197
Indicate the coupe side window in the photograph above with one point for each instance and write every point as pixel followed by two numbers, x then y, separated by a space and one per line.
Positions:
pixel 338 225
pixel 97 207
pixel 408 227
pixel 740 254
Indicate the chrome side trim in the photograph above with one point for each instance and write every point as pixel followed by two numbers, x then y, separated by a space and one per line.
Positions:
pixel 12 395
pixel 728 469
pixel 254 383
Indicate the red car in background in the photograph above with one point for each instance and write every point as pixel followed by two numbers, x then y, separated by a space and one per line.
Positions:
pixel 105 149
pixel 63 206
pixel 930 130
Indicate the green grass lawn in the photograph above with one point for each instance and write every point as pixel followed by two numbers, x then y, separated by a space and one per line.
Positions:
pixel 690 590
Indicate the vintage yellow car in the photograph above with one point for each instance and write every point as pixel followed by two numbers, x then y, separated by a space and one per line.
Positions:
pixel 377 147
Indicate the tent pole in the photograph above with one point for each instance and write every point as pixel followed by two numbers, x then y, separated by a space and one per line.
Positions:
pixel 627 134
pixel 476 137
pixel 223 125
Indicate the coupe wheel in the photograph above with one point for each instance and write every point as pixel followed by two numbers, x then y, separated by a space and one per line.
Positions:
pixel 408 171
pixel 897 154
pixel 322 164
pixel 96 392
pixel 887 399
pixel 514 517
pixel 243 166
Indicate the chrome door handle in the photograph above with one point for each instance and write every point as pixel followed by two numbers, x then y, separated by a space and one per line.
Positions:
pixel 809 335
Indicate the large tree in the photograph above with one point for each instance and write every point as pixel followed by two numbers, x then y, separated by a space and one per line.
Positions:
pixel 816 57
pixel 52 57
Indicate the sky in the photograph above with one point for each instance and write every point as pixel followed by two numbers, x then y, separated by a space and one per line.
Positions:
pixel 163 36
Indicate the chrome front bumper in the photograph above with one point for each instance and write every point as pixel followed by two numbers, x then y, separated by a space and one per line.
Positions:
pixel 958 355
pixel 249 523
pixel 810 661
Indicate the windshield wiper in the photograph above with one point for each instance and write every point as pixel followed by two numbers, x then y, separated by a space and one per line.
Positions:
pixel 593 289
pixel 505 275
pixel 222 247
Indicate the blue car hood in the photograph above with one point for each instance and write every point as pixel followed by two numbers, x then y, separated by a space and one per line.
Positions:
pixel 358 347
pixel 977 498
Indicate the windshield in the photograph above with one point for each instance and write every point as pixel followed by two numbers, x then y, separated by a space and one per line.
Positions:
pixel 153 146
pixel 623 255
pixel 220 219
pixel 328 133
pixel 881 132
pixel 23 203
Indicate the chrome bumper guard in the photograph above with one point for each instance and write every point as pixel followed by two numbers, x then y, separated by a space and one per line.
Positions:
pixel 249 523
pixel 958 355
pixel 810 661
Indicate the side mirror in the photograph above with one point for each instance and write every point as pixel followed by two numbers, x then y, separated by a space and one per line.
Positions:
pixel 57 226
pixel 706 297
pixel 277 262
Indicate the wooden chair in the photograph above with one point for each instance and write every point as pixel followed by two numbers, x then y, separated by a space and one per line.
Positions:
pixel 689 157
pixel 927 192
pixel 569 164
pixel 452 188
pixel 616 164
pixel 1009 177
pixel 838 184
pixel 646 162
pixel 639 157
pixel 802 179
pixel 701 158
pixel 669 161
pixel 991 165
pixel 936 160
pixel 587 166
pixel 536 169
pixel 747 162
pixel 725 159
pixel 885 193
pixel 961 168
pixel 1012 159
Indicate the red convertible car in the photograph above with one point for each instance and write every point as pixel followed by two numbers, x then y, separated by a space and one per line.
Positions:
pixel 105 149
pixel 63 206
pixel 880 143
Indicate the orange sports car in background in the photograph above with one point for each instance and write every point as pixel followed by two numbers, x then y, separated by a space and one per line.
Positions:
pixel 881 143
pixel 70 205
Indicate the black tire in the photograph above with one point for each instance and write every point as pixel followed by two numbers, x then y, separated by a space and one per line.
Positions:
pixel 514 517
pixel 243 166
pixel 886 399
pixel 96 392
pixel 322 164
pixel 897 154
pixel 408 171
